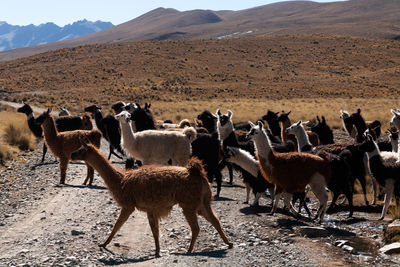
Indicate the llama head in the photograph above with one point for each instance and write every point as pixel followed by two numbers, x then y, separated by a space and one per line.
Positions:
pixel 25 109
pixel 131 107
pixel 395 121
pixel 42 117
pixel 118 107
pixel 270 116
pixel 63 112
pixel 256 131
pixel 323 130
pixel 224 124
pixel 123 117
pixel 92 109
pixel 344 114
pixel 284 116
pixel 296 128
pixel 81 153
pixel 369 145
pixel 230 153
pixel 143 118
pixel 355 118
pixel 393 135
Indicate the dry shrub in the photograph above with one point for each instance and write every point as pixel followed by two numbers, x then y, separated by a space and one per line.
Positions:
pixel 394 212
pixel 17 135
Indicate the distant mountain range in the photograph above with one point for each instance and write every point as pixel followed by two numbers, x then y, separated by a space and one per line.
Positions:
pixel 12 36
pixel 365 18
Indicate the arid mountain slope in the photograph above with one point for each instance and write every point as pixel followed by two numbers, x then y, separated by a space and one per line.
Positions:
pixel 366 18
pixel 274 67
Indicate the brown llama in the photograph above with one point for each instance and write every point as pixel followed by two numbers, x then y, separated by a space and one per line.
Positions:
pixel 291 172
pixel 285 123
pixel 62 144
pixel 155 189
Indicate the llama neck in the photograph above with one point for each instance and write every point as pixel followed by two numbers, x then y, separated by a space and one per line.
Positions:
pixel 33 126
pixel 230 140
pixel 50 130
pixel 303 143
pixel 98 117
pixel 375 152
pixel 274 126
pixel 395 145
pixel 128 137
pixel 247 162
pixel 226 130
pixel 284 124
pixel 263 145
pixel 112 177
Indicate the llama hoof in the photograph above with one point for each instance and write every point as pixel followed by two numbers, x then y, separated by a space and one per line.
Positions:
pixel 103 245
pixel 381 218
pixel 216 197
pixel 271 213
pixel 157 255
pixel 246 202
pixel 230 245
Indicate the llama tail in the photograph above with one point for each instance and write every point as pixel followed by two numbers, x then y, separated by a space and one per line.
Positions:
pixel 184 123
pixel 191 133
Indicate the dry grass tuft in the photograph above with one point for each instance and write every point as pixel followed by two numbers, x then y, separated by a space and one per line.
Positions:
pixel 17 135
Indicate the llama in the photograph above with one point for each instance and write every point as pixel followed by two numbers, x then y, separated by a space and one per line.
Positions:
pixel 361 125
pixel 184 123
pixel 387 174
pixel 291 172
pixel 254 181
pixel 349 128
pixel 208 121
pixel 118 107
pixel 109 127
pixel 65 123
pixel 62 144
pixel 324 132
pixel 142 117
pixel 155 190
pixel 272 119
pixel 303 143
pixel 285 123
pixel 64 112
pixel 207 148
pixel 156 147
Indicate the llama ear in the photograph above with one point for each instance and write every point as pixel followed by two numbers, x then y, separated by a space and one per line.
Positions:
pixel 252 125
pixel 323 120
pixel 260 124
pixel 319 121
pixel 230 113
pixel 276 113
pixel 218 112
pixel 358 111
pixel 299 122
pixel 305 123
pixel 289 112
pixel 48 111
pixel 138 105
pixel 394 112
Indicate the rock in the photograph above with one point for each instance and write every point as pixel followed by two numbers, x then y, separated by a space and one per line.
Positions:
pixel 313 231
pixel 392 232
pixel 75 232
pixel 349 249
pixel 341 243
pixel 390 249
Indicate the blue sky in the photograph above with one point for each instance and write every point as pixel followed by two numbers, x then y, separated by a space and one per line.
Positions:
pixel 61 12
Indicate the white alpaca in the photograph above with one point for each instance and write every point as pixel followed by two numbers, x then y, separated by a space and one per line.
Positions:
pixel 247 162
pixel 303 142
pixel 184 123
pixel 350 129
pixel 156 147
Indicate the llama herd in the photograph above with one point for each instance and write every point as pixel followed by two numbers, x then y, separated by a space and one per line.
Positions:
pixel 175 163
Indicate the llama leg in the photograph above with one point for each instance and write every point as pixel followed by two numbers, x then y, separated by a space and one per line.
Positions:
pixel 248 189
pixel 89 176
pixel 333 202
pixel 376 189
pixel 208 213
pixel 362 178
pixel 276 201
pixel 288 204
pixel 318 185
pixel 123 216
pixel 155 229
pixel 191 218
pixel 230 170
pixel 256 199
pixel 349 196
pixel 44 151
pixel 218 178
pixel 389 188
pixel 271 191
pixel 111 151
pixel 63 169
